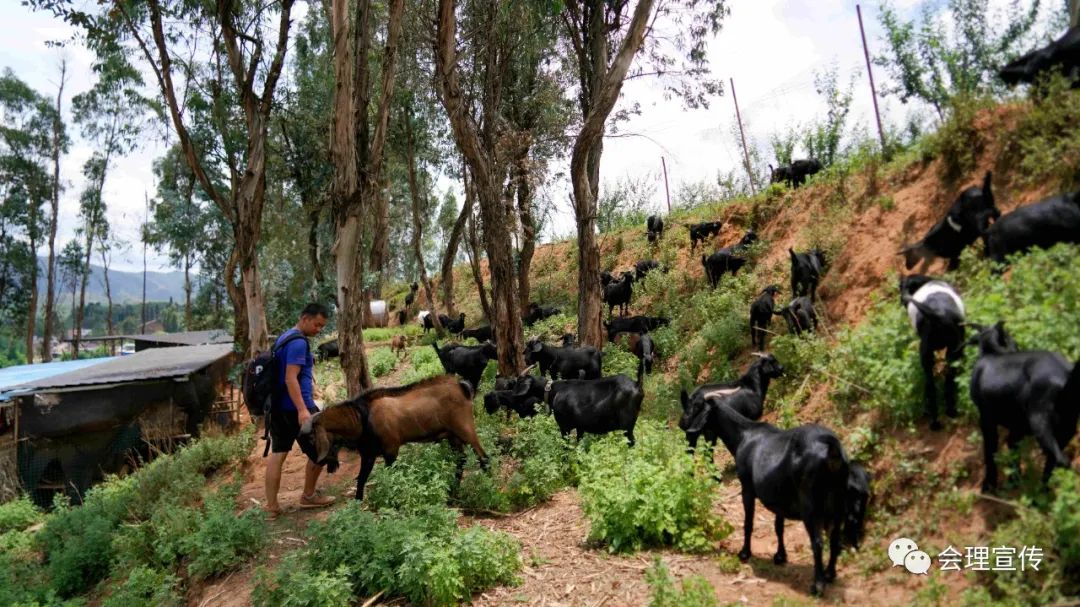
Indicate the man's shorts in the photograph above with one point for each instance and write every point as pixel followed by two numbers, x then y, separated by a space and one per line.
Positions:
pixel 284 428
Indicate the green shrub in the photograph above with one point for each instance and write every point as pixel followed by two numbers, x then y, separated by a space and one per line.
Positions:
pixel 694 591
pixel 958 141
pixel 23 581
pixel 425 364
pixel 1046 141
pixel 422 556
pixel 546 464
pixel 382 361
pixel 380 334
pixel 291 585
pixel 421 477
pixel 552 328
pixel 617 359
pixel 223 539
pixel 19 514
pixel 649 495
pixel 146 587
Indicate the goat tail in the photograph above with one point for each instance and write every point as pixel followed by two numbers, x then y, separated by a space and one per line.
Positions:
pixel 467 388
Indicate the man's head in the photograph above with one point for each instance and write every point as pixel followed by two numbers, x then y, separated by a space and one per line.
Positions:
pixel 312 319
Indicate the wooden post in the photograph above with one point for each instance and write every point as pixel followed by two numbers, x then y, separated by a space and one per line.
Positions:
pixel 667 192
pixel 870 73
pixel 746 154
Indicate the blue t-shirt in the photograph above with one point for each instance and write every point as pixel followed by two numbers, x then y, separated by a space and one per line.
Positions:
pixel 296 352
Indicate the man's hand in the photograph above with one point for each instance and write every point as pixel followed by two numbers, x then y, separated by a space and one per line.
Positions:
pixel 302 414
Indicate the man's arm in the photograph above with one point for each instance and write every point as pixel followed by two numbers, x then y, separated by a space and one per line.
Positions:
pixel 292 384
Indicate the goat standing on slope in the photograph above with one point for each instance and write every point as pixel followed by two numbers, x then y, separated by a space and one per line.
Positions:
pixel 937 314
pixel 761 312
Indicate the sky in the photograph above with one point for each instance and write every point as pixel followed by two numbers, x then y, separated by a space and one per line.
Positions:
pixel 771 48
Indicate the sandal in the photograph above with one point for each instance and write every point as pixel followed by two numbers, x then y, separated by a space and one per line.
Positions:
pixel 272 515
pixel 316 500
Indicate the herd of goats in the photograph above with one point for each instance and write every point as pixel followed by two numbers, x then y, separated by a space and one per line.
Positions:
pixel 802 473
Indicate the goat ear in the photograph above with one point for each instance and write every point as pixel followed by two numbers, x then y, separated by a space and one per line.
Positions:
pixel 684 398
pixel 698 423
pixel 537 347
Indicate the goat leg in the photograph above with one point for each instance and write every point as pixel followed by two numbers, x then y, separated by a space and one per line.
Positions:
pixel 748 521
pixel 813 530
pixel 1044 435
pixel 952 358
pixel 926 357
pixel 990 444
pixel 834 549
pixel 781 553
pixel 367 462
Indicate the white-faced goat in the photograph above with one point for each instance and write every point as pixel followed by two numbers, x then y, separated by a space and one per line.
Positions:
pixel 937 314
pixel 1030 393
pixel 761 313
pixel 595 406
pixel 746 395
pixel 800 474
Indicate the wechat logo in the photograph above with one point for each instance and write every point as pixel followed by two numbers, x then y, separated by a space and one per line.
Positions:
pixel 904 552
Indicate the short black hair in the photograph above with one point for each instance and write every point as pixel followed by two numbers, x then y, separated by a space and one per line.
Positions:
pixel 315 309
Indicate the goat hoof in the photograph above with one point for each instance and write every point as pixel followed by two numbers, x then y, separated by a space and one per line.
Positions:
pixel 744 555
pixel 779 558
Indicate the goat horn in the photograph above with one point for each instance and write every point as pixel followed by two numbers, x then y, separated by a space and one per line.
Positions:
pixel 527 369
pixel 758 354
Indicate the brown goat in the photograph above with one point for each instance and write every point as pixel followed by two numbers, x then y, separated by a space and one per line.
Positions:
pixel 381 420
pixel 398 343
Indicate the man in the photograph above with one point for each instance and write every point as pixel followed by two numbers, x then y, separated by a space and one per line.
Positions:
pixel 292 406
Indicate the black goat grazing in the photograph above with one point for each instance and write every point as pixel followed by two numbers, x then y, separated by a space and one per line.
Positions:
pixel 606 278
pixel 1029 393
pixel 411 296
pixel 569 341
pixel 794 174
pixel 480 334
pixel 1062 55
pixel 328 350
pixel 402 316
pixel 642 268
pixel 1041 225
pixel 780 174
pixel 424 317
pixel 937 314
pixel 654 227
pixel 618 294
pixel 700 231
pixel 634 324
pixel 806 271
pixel 468 362
pixel 761 313
pixel 455 327
pixel 724 260
pixel 505 399
pixel 799 315
pixel 749 238
pixel 800 474
pixel 858 498
pixel 537 313
pixel 746 395
pixel 379 421
pixel 968 219
pixel 640 345
pixel 595 406
pixel 564 363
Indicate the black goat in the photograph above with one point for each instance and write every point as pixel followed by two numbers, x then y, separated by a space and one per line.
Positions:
pixel 640 345
pixel 968 219
pixel 937 314
pixel 505 399
pixel 761 313
pixel 806 271
pixel 800 474
pixel 794 174
pixel 569 341
pixel 799 315
pixel 634 324
pixel 480 334
pixel 749 238
pixel 724 260
pixel 468 362
pixel 606 278
pixel 858 498
pixel 564 363
pixel 425 320
pixel 654 227
pixel 1029 393
pixel 781 174
pixel 537 313
pixel 1042 225
pixel 618 294
pixel 1062 54
pixel 594 406
pixel 411 296
pixel 455 327
pixel 328 350
pixel 746 395
pixel 402 316
pixel 642 268
pixel 701 231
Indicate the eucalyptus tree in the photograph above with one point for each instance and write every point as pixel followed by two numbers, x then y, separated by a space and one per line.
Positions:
pixel 222 61
pixel 58 146
pixel 357 139
pixel 26 118
pixel 603 39
pixel 70 265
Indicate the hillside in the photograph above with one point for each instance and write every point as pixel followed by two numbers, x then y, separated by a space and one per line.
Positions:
pixel 126 287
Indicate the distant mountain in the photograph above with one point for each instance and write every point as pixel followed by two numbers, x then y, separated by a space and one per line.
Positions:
pixel 125 286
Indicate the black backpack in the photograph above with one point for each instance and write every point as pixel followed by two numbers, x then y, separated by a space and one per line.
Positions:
pixel 260 386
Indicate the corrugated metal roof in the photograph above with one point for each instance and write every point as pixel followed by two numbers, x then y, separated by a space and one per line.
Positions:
pixel 183 338
pixel 11 377
pixel 155 363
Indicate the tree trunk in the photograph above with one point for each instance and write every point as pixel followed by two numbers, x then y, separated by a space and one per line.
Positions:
pixel 187 292
pixel 54 203
pixel 603 87
pixel 313 246
pixel 481 158
pixel 108 298
pixel 450 255
pixel 473 251
pixel 418 234
pixel 77 336
pixel 528 229
pixel 236 298
pixel 380 237
pixel 31 316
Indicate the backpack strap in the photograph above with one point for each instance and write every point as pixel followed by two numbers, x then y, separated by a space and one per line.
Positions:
pixel 268 407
